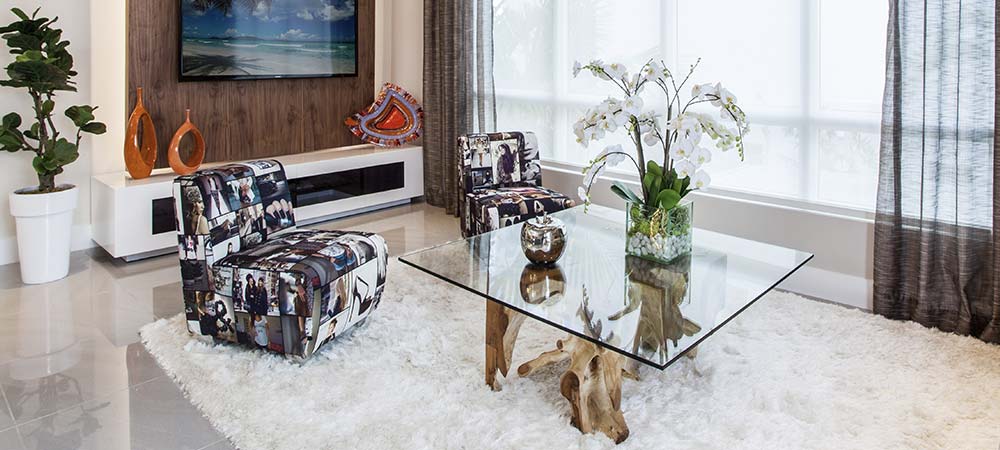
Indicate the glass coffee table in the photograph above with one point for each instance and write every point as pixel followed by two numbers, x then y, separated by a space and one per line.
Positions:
pixel 620 312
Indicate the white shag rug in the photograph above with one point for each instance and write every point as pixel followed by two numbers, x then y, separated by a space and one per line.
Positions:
pixel 790 373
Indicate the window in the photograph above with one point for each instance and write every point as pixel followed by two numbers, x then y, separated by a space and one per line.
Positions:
pixel 809 74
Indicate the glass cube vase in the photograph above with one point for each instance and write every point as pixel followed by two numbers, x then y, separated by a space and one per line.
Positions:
pixel 658 234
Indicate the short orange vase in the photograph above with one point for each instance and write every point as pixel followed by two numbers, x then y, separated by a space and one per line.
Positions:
pixel 140 162
pixel 197 154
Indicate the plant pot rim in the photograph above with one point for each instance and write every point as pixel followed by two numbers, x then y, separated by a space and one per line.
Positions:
pixel 65 187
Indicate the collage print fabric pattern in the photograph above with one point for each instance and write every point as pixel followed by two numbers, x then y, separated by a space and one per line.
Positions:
pixel 250 277
pixel 501 179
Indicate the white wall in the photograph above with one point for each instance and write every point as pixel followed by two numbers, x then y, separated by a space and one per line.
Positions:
pixel 74 19
pixel 400 58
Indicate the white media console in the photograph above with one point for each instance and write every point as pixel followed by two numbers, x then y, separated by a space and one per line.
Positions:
pixel 134 219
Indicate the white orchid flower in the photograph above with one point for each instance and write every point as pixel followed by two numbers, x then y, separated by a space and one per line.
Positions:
pixel 683 123
pixel 582 193
pixel 612 154
pixel 699 91
pixel 615 70
pixel 651 139
pixel 701 156
pixel 607 124
pixel 682 149
pixel 634 84
pixel 632 105
pixel 593 172
pixel 577 67
pixel 620 117
pixel 726 96
pixel 652 71
pixel 650 119
pixel 599 133
pixel 701 180
pixel 717 91
pixel 684 168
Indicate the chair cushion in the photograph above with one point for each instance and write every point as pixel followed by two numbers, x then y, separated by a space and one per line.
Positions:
pixel 492 209
pixel 336 277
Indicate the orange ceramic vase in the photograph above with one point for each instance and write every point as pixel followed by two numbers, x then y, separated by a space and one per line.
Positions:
pixel 174 151
pixel 139 162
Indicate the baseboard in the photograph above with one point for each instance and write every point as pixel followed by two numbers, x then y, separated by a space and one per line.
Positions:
pixel 831 286
pixel 81 240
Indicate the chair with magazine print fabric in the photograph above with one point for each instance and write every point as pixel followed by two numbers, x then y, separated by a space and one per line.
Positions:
pixel 250 277
pixel 501 182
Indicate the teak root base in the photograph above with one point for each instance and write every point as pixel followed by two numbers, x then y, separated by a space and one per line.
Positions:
pixel 592 382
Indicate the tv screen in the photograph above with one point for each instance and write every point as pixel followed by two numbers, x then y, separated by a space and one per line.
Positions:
pixel 255 39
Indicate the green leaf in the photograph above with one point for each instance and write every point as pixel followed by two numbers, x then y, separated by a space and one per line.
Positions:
pixel 11 121
pixel 80 115
pixel 668 198
pixel 94 128
pixel 20 14
pixel 30 56
pixel 624 192
pixel 47 107
pixel 23 42
pixel 653 167
pixel 62 152
pixel 37 164
pixel 9 142
pixel 648 180
pixel 655 189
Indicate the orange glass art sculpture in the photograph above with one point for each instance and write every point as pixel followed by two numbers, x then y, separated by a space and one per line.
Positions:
pixel 197 153
pixel 140 162
pixel 393 120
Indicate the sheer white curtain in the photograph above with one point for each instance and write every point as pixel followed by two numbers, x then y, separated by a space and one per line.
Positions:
pixel 809 73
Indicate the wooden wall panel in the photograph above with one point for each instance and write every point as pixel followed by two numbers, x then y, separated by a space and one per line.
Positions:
pixel 249 118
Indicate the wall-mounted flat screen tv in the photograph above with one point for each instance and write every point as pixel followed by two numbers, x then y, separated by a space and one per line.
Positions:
pixel 258 39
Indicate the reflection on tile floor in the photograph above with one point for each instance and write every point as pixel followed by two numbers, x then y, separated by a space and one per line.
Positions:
pixel 72 372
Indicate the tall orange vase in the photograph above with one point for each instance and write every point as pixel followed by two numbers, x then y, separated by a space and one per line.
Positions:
pixel 140 162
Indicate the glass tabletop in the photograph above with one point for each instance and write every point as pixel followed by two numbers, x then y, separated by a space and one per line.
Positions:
pixel 650 312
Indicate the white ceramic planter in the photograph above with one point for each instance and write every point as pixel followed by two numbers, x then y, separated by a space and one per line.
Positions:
pixel 44 224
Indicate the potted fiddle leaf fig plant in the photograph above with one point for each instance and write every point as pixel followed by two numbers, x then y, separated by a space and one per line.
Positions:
pixel 43 66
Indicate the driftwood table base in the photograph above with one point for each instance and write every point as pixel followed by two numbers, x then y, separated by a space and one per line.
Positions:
pixel 592 383
pixel 502 325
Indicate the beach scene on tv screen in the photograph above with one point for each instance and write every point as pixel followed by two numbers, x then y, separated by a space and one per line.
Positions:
pixel 268 38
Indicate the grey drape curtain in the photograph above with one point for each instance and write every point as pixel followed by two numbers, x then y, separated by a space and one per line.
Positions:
pixel 459 95
pixel 937 259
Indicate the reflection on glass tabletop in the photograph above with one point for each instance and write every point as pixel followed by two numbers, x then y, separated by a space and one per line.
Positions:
pixel 650 312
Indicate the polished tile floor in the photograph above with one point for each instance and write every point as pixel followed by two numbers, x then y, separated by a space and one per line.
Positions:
pixel 72 372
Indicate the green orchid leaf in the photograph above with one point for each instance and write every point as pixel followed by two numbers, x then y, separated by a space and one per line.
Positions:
pixel 656 187
pixel 648 180
pixel 624 192
pixel 668 198
pixel 653 167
